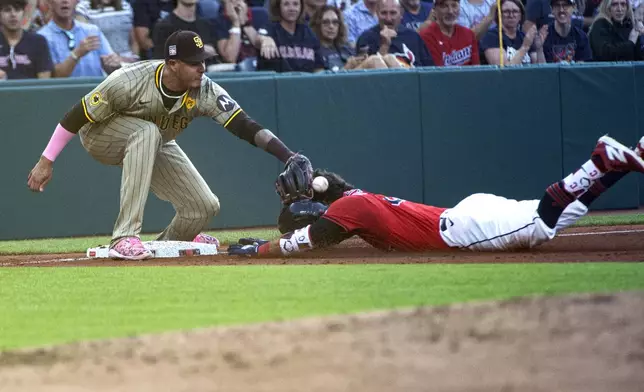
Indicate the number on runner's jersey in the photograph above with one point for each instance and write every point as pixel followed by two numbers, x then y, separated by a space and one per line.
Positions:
pixel 393 200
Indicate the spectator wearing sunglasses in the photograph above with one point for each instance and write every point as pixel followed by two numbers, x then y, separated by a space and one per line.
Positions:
pixel 77 49
pixel 23 55
pixel 518 48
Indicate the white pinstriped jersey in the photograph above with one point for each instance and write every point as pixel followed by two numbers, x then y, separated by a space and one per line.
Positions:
pixel 134 91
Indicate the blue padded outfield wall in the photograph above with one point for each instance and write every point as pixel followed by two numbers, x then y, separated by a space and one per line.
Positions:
pixel 432 135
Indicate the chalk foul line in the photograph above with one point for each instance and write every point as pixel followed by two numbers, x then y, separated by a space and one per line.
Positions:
pixel 600 233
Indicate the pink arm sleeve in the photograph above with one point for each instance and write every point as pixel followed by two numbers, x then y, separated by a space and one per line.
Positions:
pixel 58 141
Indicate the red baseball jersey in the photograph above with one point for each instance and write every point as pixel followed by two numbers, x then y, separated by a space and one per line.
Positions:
pixel 388 222
pixel 459 49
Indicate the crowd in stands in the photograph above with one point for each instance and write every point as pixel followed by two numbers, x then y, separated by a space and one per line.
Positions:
pixel 86 38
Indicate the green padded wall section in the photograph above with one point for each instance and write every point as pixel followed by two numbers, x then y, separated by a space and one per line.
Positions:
pixel 366 127
pixel 595 100
pixel 490 132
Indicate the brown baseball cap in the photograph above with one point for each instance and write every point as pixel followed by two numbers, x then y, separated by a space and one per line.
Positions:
pixel 186 46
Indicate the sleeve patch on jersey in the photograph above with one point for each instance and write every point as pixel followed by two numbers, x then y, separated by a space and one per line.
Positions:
pixel 96 99
pixel 225 104
pixel 190 103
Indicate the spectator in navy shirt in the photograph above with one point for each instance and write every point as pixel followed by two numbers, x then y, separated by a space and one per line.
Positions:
pixel 539 13
pixel 23 55
pixel 328 25
pixel 416 13
pixel 294 47
pixel 390 37
pixel 146 13
pixel 239 31
pixel 183 17
pixel 518 47
pixel 565 42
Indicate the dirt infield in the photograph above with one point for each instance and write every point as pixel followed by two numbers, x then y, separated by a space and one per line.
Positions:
pixel 581 343
pixel 584 343
pixel 587 244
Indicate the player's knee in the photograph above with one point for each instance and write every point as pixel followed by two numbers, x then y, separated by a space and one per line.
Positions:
pixel 149 131
pixel 212 206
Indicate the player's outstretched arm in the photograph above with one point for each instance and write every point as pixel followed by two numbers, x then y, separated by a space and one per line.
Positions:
pixel 65 131
pixel 244 127
pixel 321 234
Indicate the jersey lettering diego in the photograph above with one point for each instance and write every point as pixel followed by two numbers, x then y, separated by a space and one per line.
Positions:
pixel 134 91
pixel 388 223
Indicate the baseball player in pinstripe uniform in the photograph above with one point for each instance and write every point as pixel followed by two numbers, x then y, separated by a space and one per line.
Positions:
pixel 131 120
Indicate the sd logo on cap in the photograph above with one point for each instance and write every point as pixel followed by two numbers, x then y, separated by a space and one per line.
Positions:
pixel 186 46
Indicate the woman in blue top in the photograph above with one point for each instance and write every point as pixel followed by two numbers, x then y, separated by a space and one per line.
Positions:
pixel 294 47
pixel 518 47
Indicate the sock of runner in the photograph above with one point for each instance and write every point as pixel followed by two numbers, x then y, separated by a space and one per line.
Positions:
pixel 600 186
pixel 554 201
pixel 581 180
pixel 587 184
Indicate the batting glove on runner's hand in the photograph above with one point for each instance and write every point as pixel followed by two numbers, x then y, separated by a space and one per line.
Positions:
pixel 246 247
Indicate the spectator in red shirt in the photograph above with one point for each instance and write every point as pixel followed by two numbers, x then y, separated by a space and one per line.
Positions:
pixel 448 42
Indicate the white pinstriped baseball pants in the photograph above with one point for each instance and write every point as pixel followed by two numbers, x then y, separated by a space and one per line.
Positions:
pixel 150 164
pixel 486 222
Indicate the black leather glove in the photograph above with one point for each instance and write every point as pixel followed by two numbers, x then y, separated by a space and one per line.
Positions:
pixel 296 181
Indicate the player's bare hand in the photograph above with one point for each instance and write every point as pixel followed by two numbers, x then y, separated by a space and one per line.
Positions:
pixel 3 74
pixel 90 43
pixel 269 49
pixel 40 175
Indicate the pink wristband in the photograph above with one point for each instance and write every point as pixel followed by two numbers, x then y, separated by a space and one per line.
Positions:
pixel 58 141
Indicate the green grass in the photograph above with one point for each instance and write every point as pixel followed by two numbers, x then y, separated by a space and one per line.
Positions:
pixel 80 245
pixel 42 306
pixel 605 220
